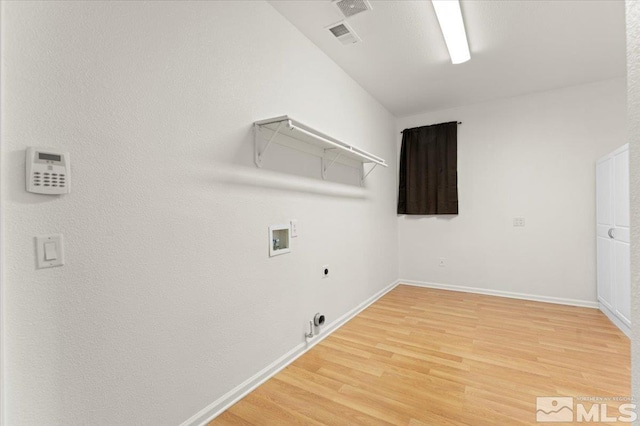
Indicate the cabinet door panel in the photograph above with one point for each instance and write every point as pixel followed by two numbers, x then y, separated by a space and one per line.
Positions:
pixel 621 189
pixel 621 252
pixel 604 192
pixel 605 271
pixel 604 243
pixel 622 293
pixel 613 233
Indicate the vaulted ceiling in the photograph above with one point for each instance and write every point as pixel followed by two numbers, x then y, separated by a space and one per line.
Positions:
pixel 516 47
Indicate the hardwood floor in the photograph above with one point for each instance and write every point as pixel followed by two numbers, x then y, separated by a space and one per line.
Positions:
pixel 433 357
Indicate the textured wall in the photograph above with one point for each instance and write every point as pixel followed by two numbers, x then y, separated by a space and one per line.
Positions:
pixel 633 101
pixel 530 156
pixel 168 298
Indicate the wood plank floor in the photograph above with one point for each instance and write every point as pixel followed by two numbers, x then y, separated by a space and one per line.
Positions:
pixel 433 357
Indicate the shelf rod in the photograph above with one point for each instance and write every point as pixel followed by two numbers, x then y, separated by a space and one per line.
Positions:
pixel 342 146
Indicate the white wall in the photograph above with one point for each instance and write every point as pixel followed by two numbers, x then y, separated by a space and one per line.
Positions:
pixel 168 298
pixel 529 156
pixel 633 134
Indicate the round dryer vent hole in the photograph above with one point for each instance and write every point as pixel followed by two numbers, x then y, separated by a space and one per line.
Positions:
pixel 318 319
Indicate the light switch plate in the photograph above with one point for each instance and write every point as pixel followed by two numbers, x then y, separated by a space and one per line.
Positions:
pixel 294 228
pixel 40 250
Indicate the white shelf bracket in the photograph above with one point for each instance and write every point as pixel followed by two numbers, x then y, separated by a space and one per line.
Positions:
pixel 325 167
pixel 257 135
pixel 364 175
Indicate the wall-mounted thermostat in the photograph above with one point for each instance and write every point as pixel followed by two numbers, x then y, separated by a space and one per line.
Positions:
pixel 48 171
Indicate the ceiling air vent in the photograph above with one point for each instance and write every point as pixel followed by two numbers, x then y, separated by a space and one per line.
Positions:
pixel 352 7
pixel 343 32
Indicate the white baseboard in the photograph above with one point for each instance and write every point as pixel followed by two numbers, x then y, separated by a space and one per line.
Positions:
pixel 227 400
pixel 615 320
pixel 500 293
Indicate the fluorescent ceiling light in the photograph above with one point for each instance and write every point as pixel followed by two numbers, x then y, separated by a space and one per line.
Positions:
pixel 452 26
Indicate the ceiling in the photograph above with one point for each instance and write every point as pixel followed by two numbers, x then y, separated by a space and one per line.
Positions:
pixel 516 47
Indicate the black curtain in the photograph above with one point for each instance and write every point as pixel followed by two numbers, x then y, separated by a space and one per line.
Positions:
pixel 428 170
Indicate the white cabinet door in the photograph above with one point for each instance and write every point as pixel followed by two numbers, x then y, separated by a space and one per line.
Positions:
pixel 604 219
pixel 613 235
pixel 621 240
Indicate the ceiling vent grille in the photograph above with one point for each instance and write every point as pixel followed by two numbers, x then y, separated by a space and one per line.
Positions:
pixel 352 7
pixel 339 30
pixel 343 32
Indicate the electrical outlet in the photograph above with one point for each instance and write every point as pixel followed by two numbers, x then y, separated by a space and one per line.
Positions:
pixel 294 228
pixel 325 271
pixel 518 221
pixel 442 262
